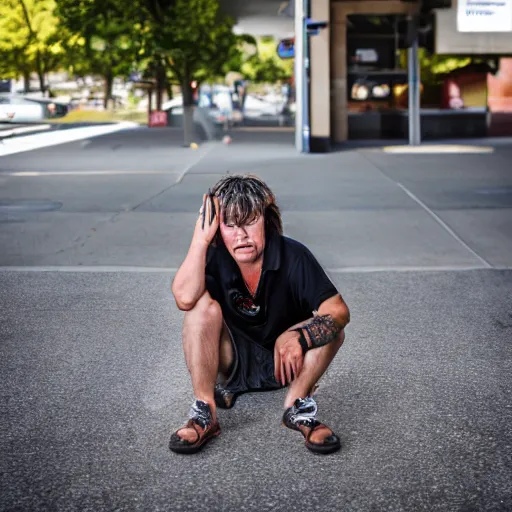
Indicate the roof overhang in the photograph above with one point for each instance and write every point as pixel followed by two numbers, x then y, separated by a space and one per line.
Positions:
pixel 261 17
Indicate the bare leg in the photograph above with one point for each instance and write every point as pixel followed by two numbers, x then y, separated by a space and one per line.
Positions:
pixel 226 353
pixel 202 328
pixel 316 362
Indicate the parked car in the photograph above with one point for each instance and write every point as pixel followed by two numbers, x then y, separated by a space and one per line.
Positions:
pixel 217 103
pixel 52 109
pixel 175 114
pixel 18 109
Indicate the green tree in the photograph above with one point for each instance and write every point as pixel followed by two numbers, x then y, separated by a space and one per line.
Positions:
pixel 265 65
pixel 105 41
pixel 30 39
pixel 432 66
pixel 195 40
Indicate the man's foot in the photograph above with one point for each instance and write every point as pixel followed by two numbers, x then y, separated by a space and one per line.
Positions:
pixel 224 399
pixel 301 416
pixel 199 429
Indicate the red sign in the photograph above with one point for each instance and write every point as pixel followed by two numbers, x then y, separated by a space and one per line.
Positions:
pixel 157 118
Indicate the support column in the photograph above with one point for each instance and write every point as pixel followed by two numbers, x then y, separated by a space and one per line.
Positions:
pixel 320 77
pixel 299 74
pixel 339 103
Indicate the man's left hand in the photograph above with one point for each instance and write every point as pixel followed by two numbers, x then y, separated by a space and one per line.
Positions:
pixel 288 357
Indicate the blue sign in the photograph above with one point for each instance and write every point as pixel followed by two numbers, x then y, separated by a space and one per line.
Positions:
pixel 5 85
pixel 135 76
pixel 286 49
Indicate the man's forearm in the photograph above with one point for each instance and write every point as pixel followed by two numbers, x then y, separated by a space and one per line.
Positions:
pixel 189 282
pixel 318 331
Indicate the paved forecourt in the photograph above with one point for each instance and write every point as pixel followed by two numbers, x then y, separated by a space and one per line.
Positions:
pixel 93 376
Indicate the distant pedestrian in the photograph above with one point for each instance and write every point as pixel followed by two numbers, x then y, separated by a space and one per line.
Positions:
pixel 260 314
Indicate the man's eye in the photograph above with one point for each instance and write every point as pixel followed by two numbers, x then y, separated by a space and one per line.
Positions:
pixel 229 225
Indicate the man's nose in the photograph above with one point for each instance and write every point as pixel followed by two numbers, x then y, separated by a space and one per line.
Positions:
pixel 240 231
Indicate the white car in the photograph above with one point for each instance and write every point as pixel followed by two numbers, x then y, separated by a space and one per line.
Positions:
pixel 18 110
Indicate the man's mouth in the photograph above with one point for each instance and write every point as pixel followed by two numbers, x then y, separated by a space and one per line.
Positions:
pixel 243 247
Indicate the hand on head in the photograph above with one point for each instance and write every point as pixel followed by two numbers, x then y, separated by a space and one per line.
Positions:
pixel 208 221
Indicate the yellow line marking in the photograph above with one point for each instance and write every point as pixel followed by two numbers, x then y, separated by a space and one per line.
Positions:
pixel 437 149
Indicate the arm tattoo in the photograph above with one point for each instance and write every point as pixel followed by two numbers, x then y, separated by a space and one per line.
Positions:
pixel 320 331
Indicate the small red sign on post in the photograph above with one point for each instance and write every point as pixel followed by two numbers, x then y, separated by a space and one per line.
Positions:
pixel 157 118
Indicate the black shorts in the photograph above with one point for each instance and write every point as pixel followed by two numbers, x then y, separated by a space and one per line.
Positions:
pixel 252 368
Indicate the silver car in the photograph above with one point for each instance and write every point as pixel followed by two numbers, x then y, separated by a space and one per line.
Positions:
pixel 18 109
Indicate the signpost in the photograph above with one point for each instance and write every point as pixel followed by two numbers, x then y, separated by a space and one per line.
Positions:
pixel 414 94
pixel 304 28
pixel 286 48
pixel 157 118
pixel 413 63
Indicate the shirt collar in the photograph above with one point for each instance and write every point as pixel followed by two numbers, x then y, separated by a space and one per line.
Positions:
pixel 272 254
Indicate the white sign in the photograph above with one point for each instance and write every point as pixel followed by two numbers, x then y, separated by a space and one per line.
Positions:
pixel 484 16
pixel 366 55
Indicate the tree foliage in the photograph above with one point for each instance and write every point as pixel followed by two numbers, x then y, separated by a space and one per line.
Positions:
pixel 193 37
pixel 174 41
pixel 106 41
pixel 265 65
pixel 29 38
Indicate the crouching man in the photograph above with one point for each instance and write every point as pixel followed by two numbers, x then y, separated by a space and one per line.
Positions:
pixel 260 314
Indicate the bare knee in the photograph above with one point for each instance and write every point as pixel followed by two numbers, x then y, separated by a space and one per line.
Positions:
pixel 206 312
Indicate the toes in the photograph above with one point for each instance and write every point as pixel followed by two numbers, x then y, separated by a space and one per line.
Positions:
pixel 322 435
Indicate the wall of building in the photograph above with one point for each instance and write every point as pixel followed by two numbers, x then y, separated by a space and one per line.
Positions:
pixel 450 41
pixel 320 82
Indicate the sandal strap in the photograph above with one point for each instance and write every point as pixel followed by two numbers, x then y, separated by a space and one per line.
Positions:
pixel 192 424
pixel 200 416
pixel 317 424
pixel 311 423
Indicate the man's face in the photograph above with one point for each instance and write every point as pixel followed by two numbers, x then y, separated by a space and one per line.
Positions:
pixel 245 243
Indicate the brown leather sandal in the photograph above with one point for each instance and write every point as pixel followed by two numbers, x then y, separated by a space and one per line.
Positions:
pixel 202 422
pixel 301 416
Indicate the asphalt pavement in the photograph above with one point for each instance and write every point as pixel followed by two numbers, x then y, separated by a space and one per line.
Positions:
pixel 93 378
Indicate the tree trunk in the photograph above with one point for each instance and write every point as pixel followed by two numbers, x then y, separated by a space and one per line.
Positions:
pixel 160 84
pixel 26 81
pixel 109 80
pixel 40 73
pixel 168 90
pixel 188 111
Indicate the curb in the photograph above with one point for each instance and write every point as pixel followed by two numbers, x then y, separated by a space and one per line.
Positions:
pixel 55 137
pixel 24 130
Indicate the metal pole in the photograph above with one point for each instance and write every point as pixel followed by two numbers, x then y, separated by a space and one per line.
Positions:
pixel 299 73
pixel 414 94
pixel 305 82
pixel 150 107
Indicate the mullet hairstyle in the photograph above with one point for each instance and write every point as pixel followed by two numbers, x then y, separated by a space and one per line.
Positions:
pixel 244 198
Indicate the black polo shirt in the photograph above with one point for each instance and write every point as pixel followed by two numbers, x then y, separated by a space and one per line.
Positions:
pixel 291 287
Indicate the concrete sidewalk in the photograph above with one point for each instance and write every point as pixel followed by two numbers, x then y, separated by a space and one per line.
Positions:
pixel 92 373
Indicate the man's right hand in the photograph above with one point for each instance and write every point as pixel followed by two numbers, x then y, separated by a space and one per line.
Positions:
pixel 208 220
pixel 288 357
